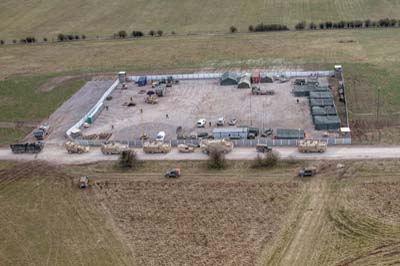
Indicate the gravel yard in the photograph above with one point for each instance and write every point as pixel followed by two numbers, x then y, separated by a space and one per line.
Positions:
pixel 191 100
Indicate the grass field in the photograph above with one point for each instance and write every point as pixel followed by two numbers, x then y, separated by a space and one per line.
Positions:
pixel 240 215
pixel 95 17
pixel 23 104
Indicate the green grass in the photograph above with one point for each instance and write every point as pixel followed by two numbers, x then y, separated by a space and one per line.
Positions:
pixel 10 135
pixel 47 18
pixel 21 100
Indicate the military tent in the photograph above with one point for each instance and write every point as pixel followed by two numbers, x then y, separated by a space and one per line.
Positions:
pixel 229 78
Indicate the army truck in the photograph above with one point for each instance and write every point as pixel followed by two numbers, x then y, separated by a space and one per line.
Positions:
pixel 221 144
pixel 310 145
pixel 259 91
pixel 264 148
pixel 152 99
pixel 186 148
pixel 113 148
pixel 161 90
pixel 73 147
pixel 34 147
pixel 156 147
pixel 41 132
pixel 83 182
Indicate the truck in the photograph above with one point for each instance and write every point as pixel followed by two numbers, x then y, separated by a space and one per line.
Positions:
pixel 156 147
pixel 259 91
pixel 186 148
pixel 73 147
pixel 264 148
pixel 41 132
pixel 173 172
pixel 34 147
pixel 113 148
pixel 83 182
pixel 310 145
pixel 207 145
pixel 308 171
pixel 151 99
pixel 160 90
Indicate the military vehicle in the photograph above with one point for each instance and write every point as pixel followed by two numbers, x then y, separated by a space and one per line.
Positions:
pixel 263 148
pixel 151 99
pixel 173 172
pixel 73 147
pixel 259 91
pixel 308 171
pixel 156 147
pixel 34 147
pixel 310 145
pixel 186 148
pixel 113 148
pixel 221 144
pixel 161 90
pixel 83 182
pixel 41 132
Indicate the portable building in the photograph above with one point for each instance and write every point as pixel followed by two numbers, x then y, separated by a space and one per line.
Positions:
pixel 229 132
pixel 320 95
pixel 290 133
pixel 142 81
pixel 229 78
pixel 255 77
pixel 122 76
pixel 244 82
pixel 326 122
pixel 323 111
pixel 264 78
pixel 321 102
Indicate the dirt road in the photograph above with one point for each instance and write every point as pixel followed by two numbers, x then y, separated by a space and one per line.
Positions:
pixel 300 249
pixel 57 154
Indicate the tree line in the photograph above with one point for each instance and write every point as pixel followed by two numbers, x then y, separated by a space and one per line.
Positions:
pixel 351 24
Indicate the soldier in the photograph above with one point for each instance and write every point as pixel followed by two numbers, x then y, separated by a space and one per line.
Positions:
pixel 297 100
pixel 166 116
pixel 209 123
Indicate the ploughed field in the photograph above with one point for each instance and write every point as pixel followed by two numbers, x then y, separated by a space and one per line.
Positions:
pixel 346 215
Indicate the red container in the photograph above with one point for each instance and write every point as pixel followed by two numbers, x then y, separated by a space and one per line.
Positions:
pixel 255 77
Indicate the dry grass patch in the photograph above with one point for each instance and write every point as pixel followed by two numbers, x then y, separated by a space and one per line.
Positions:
pixel 181 222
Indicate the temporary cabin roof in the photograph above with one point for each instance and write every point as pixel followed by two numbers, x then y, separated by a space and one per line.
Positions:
pixel 320 95
pixel 229 75
pixel 321 102
pixel 230 130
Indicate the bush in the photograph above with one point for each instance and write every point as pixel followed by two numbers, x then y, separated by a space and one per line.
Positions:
pixel 77 37
pixel 160 33
pixel 300 25
pixel 45 39
pixel 268 160
pixel 128 159
pixel 152 33
pixel 321 26
pixel 61 37
pixel 137 34
pixel 270 27
pixel 312 26
pixel 251 28
pixel 216 158
pixel 83 36
pixel 122 34
pixel 233 29
pixel 173 33
pixel 14 41
pixel 1 42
